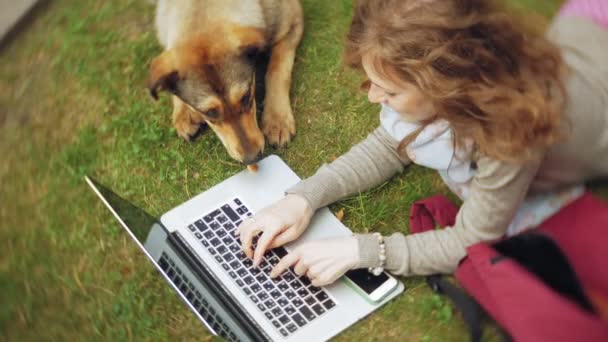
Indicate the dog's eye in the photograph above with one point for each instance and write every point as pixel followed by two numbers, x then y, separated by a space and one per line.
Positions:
pixel 246 99
pixel 213 114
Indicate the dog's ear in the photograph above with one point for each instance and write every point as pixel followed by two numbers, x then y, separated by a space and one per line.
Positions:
pixel 251 43
pixel 251 52
pixel 163 75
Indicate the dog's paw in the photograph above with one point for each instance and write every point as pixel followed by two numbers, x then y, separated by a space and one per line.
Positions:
pixel 278 129
pixel 188 130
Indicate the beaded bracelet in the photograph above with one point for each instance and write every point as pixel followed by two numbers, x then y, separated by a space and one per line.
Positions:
pixel 382 256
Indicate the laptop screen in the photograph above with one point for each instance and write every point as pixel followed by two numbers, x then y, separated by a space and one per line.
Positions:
pixel 137 220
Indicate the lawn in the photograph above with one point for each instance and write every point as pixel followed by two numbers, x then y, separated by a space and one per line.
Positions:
pixel 73 101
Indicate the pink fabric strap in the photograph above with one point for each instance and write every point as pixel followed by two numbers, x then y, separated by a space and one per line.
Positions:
pixel 596 10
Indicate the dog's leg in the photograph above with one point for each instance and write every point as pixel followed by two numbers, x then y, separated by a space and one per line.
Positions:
pixel 186 121
pixel 278 124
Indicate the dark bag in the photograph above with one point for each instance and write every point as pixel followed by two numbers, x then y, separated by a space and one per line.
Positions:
pixel 549 284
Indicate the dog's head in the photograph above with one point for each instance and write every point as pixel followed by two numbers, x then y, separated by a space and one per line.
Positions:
pixel 215 76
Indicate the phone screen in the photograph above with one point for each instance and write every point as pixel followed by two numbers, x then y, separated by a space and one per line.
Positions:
pixel 365 280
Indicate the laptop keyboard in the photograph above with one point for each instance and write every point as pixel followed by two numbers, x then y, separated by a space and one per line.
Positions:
pixel 288 302
pixel 186 287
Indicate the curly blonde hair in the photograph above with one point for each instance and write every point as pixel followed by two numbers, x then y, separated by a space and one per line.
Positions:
pixel 490 77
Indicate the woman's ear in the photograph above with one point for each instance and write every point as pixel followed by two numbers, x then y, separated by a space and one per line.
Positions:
pixel 163 74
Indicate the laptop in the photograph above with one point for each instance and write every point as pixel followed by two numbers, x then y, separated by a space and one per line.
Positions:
pixel 193 247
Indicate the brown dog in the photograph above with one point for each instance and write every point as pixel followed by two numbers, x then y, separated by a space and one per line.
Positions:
pixel 209 66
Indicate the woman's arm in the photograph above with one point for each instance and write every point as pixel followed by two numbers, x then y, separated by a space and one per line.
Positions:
pixel 497 190
pixel 367 164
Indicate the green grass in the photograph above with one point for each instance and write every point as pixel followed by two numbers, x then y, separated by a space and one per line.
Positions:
pixel 73 101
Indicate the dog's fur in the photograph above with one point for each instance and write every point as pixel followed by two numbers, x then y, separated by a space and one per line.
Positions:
pixel 209 62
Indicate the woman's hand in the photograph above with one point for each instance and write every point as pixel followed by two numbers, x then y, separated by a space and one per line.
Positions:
pixel 279 223
pixel 323 261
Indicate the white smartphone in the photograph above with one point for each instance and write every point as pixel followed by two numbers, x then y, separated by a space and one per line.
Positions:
pixel 373 288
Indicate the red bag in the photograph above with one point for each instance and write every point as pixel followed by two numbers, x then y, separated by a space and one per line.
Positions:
pixel 524 305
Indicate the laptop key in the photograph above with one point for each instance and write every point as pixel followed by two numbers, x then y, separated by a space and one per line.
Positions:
pixel 261 307
pixel 229 226
pixel 307 313
pixel 295 284
pixel 284 319
pixel 228 257
pixel 261 278
pixel 269 304
pixel 218 258
pixel 164 265
pixel 215 242
pixel 268 286
pixel 283 332
pixel 234 248
pixel 235 264
pixel 205 243
pixel 214 225
pixel 283 286
pixel 292 327
pixel 208 235
pixel 290 310
pixel 310 300
pixel 277 312
pixel 237 201
pixel 242 272
pixel 268 316
pixel 201 225
pixel 222 249
pixel 226 266
pixel 280 251
pixel 222 219
pixel 288 276
pixel 255 287
pixel 290 294
pixel 232 274
pixel 302 293
pixel 192 228
pixel 329 304
pixel 247 291
pixel 321 296
pixel 299 319
pixel 275 294
pixel 254 299
pixel 318 309
pixel 249 280
pixel 297 302
pixel 221 233
pixel 314 289
pixel 230 213
pixel 228 241
pixel 209 218
pixel 263 295
pixel 276 324
pixel 212 250
pixel 240 283
pixel 282 302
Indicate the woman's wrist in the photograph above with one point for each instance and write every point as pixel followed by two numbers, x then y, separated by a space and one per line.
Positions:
pixel 302 203
pixel 369 250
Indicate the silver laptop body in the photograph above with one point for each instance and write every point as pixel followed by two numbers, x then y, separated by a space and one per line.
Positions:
pixel 192 246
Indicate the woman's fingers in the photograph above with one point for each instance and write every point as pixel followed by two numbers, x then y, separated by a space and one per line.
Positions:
pixel 316 269
pixel 327 276
pixel 247 236
pixel 264 244
pixel 287 261
pixel 284 237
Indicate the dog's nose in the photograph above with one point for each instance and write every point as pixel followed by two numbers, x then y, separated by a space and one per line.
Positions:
pixel 254 160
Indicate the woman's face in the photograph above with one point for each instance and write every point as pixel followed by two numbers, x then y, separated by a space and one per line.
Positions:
pixel 404 98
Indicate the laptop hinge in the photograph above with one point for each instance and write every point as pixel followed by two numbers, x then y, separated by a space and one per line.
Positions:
pixel 219 291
